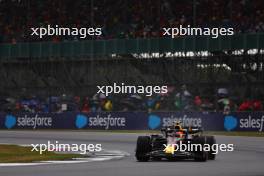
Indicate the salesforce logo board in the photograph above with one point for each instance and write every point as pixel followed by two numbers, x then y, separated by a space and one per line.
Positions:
pixel 28 121
pixel 185 121
pixel 249 123
pixel 230 123
pixel 81 121
pixel 155 121
pixel 10 121
pixel 252 123
pixel 106 122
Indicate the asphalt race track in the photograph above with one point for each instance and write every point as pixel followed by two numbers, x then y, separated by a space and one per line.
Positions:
pixel 246 160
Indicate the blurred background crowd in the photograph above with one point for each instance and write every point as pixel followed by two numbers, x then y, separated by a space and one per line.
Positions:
pixel 177 99
pixel 126 18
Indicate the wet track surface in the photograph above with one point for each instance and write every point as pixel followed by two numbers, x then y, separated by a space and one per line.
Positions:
pixel 246 160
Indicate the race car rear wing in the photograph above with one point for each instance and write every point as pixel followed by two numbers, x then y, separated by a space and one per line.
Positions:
pixel 189 130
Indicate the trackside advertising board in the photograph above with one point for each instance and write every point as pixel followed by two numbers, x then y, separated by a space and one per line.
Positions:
pixel 213 121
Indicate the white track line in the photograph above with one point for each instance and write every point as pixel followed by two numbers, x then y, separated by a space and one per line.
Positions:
pixel 20 164
pixel 74 161
pixel 98 157
pixel 104 155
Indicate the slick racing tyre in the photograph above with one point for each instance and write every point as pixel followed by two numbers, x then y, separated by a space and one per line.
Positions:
pixel 200 155
pixel 211 141
pixel 143 148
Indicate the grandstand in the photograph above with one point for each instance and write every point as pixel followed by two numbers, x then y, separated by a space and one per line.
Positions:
pixel 203 74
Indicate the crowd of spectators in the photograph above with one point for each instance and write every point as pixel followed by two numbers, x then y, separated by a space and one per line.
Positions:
pixel 180 99
pixel 129 19
pixel 126 18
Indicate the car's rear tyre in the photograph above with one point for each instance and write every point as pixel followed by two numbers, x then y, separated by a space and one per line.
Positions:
pixel 143 148
pixel 200 155
pixel 211 141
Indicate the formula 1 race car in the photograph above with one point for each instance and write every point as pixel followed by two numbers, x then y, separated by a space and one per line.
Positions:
pixel 167 145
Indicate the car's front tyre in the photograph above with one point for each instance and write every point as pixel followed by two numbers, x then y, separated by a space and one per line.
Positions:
pixel 143 148
pixel 200 155
pixel 211 141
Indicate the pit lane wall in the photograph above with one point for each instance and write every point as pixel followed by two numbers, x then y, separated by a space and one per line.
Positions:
pixel 213 121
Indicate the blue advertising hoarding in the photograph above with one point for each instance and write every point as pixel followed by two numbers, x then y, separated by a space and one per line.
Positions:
pixel 211 121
